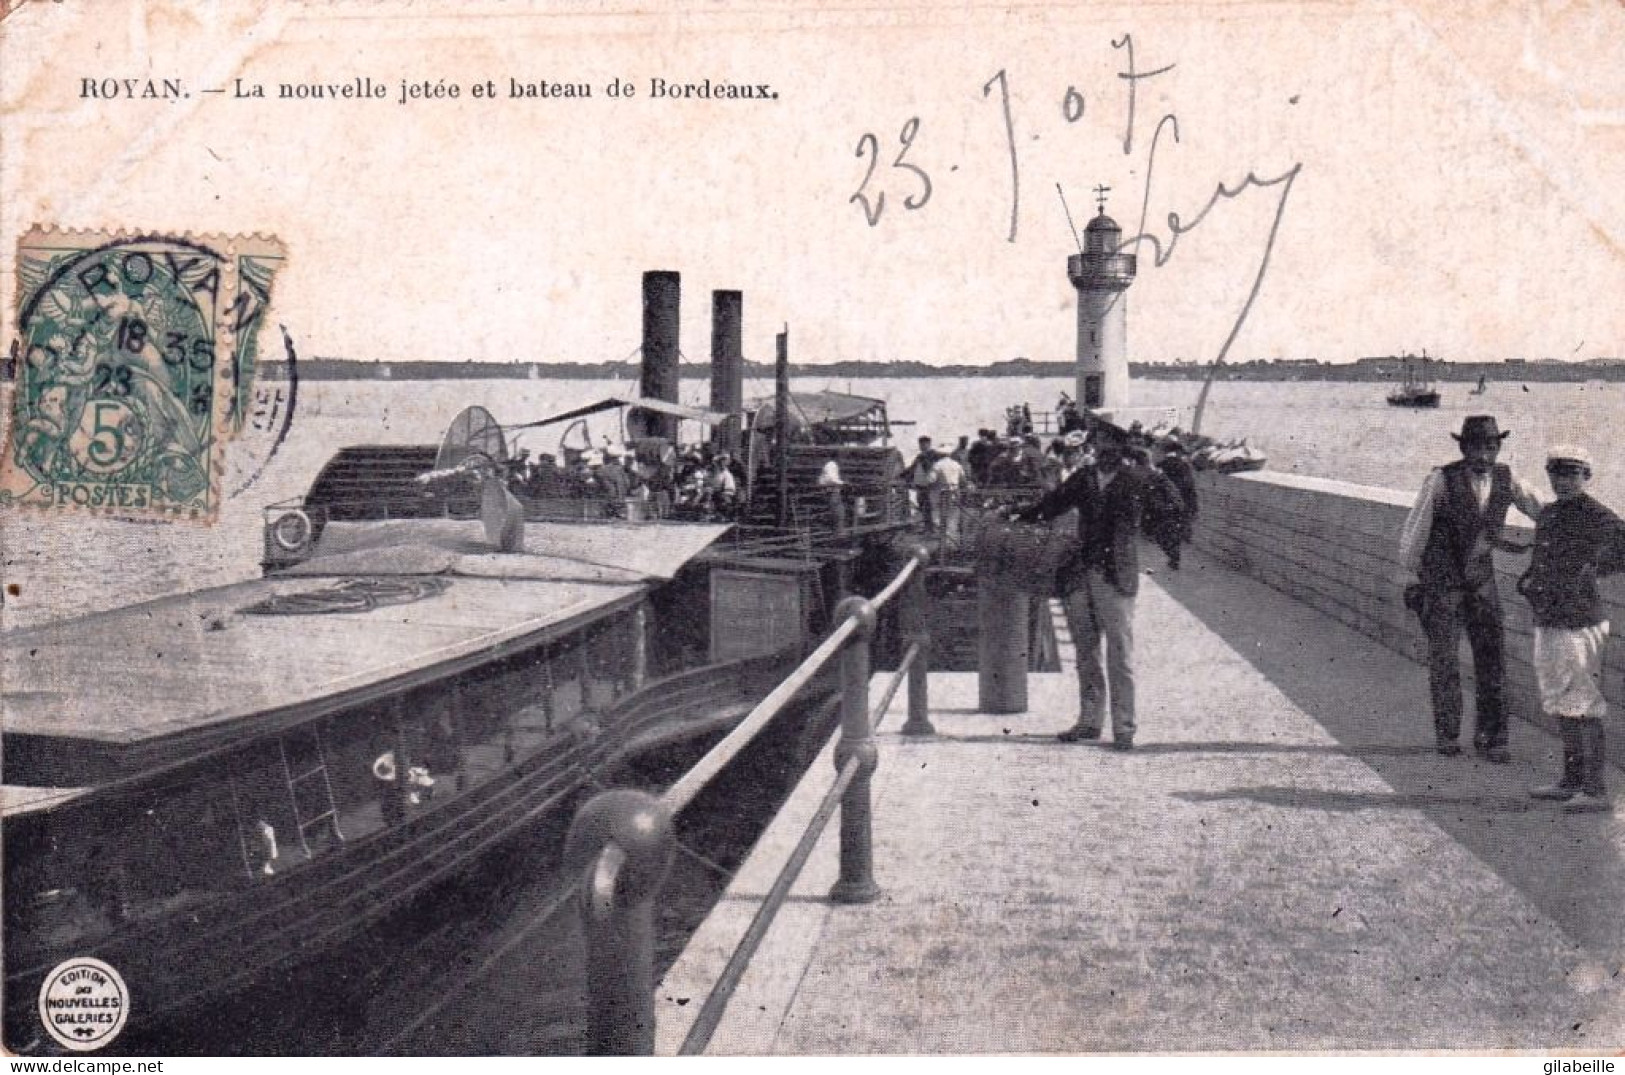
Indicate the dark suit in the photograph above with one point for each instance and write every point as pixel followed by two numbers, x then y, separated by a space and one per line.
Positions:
pixel 1180 472
pixel 1458 574
pixel 1099 587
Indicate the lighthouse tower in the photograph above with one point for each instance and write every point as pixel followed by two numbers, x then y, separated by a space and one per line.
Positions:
pixel 1102 277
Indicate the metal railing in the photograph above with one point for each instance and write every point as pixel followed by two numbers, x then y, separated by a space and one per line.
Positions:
pixel 621 843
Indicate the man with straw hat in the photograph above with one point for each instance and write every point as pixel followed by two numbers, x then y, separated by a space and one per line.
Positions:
pixel 1446 544
pixel 1577 541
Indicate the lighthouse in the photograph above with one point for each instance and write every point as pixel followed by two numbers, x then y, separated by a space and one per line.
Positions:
pixel 1102 276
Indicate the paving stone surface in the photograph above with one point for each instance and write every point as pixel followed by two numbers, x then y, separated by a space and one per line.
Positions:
pixel 1282 864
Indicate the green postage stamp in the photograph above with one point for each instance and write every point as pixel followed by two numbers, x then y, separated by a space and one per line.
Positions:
pixel 134 364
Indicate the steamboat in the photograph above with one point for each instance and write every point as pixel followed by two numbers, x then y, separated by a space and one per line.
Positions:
pixel 209 785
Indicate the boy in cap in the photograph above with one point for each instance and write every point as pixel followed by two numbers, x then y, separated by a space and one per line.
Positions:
pixel 1577 541
pixel 1446 544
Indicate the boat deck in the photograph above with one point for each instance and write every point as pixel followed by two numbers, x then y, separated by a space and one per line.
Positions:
pixel 1286 865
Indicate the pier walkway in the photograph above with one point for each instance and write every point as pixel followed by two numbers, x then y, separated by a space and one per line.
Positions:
pixel 1283 863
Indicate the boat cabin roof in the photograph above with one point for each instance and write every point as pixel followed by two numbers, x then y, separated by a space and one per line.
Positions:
pixel 118 693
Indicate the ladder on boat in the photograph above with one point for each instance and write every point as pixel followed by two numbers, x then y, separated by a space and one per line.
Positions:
pixel 305 768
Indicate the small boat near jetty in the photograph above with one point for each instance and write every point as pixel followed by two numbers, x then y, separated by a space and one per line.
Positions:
pixel 1416 387
pixel 1232 457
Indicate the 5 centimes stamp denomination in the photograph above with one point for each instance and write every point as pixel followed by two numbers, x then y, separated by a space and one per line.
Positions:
pixel 83 1004
pixel 135 356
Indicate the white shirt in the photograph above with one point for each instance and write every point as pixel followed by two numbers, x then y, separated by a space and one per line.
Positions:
pixel 1413 536
pixel 948 473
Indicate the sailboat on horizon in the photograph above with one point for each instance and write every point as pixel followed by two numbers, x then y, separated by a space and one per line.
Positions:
pixel 1416 389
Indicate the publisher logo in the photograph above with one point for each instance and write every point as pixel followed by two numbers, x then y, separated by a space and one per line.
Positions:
pixel 83 1004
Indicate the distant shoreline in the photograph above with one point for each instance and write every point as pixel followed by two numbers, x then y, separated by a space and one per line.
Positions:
pixel 1513 371
pixel 1378 370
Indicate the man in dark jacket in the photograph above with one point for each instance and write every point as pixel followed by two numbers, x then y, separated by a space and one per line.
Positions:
pixel 1446 543
pixel 1577 541
pixel 1179 471
pixel 613 479
pixel 1101 581
pixel 1164 521
pixel 1008 469
pixel 918 476
pixel 980 455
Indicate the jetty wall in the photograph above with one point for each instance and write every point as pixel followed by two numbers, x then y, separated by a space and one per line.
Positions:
pixel 1335 546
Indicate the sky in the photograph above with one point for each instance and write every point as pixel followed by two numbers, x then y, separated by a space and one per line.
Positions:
pixel 1438 176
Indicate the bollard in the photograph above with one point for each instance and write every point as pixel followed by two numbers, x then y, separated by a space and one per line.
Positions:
pixel 1001 647
pixel 857 881
pixel 620 845
pixel 917 625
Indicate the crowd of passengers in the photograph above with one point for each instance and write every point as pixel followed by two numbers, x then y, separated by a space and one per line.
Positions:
pixel 1021 462
pixel 701 480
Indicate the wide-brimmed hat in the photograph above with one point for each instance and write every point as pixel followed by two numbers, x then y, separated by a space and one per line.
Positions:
pixel 1480 429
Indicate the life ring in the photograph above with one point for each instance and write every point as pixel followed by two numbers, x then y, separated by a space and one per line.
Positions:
pixel 291 531
pixel 384 767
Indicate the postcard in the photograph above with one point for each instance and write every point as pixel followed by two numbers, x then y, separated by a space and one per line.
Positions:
pixel 811 528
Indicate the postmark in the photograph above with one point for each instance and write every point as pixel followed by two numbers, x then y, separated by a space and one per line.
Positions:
pixel 84 1004
pixel 135 368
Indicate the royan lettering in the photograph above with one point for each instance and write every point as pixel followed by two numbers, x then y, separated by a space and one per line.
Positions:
pixel 131 89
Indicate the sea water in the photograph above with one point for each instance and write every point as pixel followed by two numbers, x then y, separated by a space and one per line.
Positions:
pixel 1345 431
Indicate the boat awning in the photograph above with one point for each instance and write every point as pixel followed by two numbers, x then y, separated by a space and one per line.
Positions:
pixel 637 403
pixel 820 408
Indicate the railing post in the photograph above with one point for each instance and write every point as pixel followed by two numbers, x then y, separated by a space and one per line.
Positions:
pixel 917 622
pixel 620 845
pixel 857 881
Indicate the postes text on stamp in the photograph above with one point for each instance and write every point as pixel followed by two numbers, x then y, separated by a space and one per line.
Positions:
pixel 134 357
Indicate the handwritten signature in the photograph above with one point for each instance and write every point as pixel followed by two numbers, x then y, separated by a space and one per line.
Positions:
pixel 870 196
